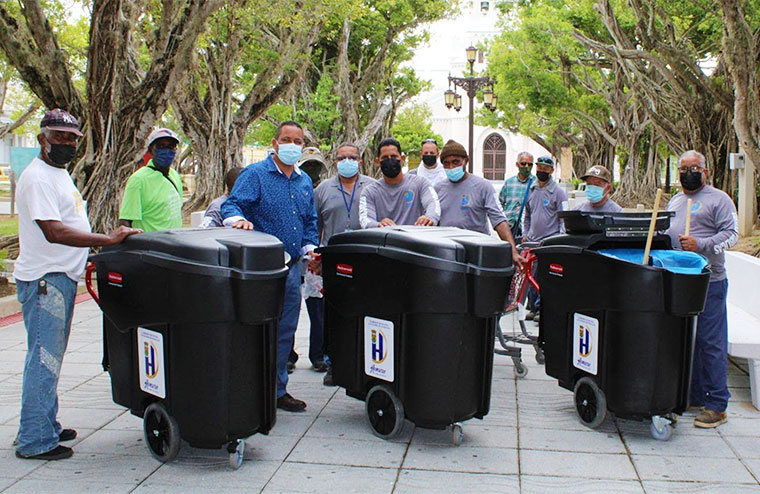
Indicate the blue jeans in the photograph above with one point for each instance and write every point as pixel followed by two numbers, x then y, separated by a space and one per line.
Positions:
pixel 47 305
pixel 286 328
pixel 315 307
pixel 709 386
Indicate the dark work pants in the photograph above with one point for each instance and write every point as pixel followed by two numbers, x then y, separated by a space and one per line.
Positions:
pixel 709 377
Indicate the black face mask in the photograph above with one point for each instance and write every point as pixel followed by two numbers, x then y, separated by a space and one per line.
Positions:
pixel 691 180
pixel 542 176
pixel 390 167
pixel 429 159
pixel 60 154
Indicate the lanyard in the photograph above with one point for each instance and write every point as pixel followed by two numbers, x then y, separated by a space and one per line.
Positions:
pixel 348 204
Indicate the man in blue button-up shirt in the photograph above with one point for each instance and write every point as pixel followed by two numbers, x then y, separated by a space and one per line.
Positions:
pixel 273 196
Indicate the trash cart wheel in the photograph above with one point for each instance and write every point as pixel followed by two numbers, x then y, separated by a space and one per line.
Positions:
pixel 661 428
pixel 590 402
pixel 385 412
pixel 236 449
pixel 161 433
pixel 540 358
pixel 457 434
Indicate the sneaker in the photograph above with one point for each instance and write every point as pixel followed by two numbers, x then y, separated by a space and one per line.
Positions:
pixel 537 317
pixel 290 404
pixel 710 419
pixel 320 366
pixel 530 315
pixel 67 435
pixel 59 453
pixel 328 380
pixel 291 367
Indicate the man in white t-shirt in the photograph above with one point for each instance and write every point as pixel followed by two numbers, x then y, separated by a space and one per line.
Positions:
pixel 54 234
pixel 430 168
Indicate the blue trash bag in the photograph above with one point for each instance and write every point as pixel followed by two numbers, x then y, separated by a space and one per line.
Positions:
pixel 675 261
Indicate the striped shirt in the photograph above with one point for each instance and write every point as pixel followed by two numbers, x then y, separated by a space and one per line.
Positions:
pixel 511 196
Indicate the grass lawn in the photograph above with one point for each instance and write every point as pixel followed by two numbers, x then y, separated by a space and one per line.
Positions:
pixel 8 225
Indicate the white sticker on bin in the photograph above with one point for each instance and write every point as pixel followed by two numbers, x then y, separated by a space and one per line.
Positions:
pixel 378 348
pixel 150 361
pixel 585 343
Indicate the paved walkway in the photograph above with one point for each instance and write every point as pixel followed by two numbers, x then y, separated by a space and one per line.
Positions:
pixel 530 442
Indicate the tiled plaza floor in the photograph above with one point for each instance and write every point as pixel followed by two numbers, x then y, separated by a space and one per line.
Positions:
pixel 530 442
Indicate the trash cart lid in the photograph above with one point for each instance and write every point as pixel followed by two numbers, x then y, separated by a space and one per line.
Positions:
pixel 623 224
pixel 435 244
pixel 675 261
pixel 228 247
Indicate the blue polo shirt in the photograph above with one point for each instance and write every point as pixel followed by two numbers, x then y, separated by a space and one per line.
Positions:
pixel 275 204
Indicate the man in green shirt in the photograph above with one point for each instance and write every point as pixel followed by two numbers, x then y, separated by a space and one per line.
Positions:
pixel 153 196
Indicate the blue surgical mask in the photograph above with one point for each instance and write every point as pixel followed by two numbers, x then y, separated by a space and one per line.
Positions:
pixel 594 193
pixel 289 153
pixel 164 157
pixel 347 168
pixel 455 174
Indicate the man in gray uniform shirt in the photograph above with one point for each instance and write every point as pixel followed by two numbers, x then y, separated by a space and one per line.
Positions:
pixel 337 199
pixel 714 228
pixel 469 201
pixel 598 189
pixel 545 200
pixel 397 199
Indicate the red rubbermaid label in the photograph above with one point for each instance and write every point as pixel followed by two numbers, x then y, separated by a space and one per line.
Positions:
pixel 115 278
pixel 344 270
pixel 556 269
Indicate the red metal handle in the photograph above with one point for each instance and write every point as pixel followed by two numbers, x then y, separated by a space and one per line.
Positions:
pixel 88 282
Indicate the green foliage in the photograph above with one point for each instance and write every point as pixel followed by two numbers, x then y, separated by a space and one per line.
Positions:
pixel 412 126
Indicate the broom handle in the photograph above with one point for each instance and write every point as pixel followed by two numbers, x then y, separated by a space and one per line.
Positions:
pixel 688 216
pixel 651 226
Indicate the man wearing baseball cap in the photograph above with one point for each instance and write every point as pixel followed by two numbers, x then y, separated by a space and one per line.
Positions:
pixel 598 189
pixel 153 196
pixel 545 199
pixel 54 236
pixel 313 163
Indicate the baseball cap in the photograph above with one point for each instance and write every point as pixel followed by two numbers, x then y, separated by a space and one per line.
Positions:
pixel 599 172
pixel 160 133
pixel 312 154
pixel 545 160
pixel 57 119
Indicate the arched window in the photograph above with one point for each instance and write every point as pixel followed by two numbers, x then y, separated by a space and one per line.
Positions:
pixel 494 157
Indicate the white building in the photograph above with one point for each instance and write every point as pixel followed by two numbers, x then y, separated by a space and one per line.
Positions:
pixel 494 150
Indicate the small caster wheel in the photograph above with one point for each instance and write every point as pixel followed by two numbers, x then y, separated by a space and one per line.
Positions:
pixel 161 433
pixel 457 434
pixel 385 412
pixel 520 370
pixel 540 358
pixel 590 402
pixel 236 449
pixel 661 428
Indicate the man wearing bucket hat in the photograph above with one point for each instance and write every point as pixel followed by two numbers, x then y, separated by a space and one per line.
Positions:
pixel 598 189
pixel 54 236
pixel 469 201
pixel 153 196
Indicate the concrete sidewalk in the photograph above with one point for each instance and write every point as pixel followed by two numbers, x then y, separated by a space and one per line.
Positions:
pixel 530 442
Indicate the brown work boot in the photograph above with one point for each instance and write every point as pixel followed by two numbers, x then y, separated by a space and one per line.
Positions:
pixel 290 404
pixel 709 419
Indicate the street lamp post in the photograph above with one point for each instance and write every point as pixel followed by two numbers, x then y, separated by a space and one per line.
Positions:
pixel 470 85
